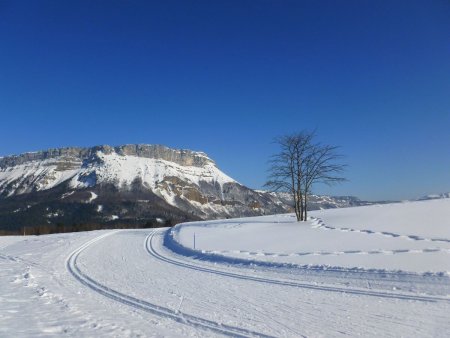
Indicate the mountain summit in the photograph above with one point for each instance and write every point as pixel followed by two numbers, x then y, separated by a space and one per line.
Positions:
pixel 152 165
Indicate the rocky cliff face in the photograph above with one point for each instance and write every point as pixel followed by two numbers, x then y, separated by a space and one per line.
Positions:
pixel 181 157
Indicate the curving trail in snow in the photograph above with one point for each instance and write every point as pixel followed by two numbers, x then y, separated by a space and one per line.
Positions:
pixel 193 265
pixel 230 300
pixel 412 237
pixel 176 315
pixel 128 283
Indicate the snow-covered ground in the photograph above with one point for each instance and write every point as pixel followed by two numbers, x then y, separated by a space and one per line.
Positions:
pixel 133 283
pixel 410 236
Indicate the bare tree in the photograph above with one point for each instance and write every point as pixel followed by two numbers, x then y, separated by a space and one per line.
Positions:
pixel 283 175
pixel 321 165
pixel 299 165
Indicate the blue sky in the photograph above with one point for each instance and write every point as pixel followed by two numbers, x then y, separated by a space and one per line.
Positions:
pixel 225 77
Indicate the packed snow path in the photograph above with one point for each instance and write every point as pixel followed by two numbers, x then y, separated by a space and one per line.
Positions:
pixel 352 279
pixel 149 307
pixel 126 283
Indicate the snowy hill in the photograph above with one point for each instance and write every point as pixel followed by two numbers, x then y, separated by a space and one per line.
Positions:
pixel 409 236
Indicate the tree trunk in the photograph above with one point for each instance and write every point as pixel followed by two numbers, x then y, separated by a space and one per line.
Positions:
pixel 302 208
pixel 296 206
pixel 306 209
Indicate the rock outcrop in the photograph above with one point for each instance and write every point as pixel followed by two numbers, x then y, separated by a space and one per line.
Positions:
pixel 181 157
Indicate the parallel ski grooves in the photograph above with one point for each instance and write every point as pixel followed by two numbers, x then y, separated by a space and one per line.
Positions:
pixel 197 322
pixel 392 295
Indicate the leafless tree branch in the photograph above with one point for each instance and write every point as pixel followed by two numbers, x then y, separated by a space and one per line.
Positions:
pixel 300 164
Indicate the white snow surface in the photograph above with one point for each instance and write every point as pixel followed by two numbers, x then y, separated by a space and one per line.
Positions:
pixel 130 283
pixel 93 197
pixel 410 236
pixel 44 175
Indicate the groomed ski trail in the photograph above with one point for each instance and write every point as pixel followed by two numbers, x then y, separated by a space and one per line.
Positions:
pixel 365 292
pixel 197 322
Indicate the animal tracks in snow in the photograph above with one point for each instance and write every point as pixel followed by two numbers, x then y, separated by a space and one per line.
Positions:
pixel 318 223
pixel 195 264
pixel 330 253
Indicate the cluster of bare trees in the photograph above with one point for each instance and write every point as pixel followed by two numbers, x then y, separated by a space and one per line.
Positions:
pixel 300 164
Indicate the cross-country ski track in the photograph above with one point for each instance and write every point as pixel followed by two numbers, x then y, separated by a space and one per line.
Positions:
pixel 149 307
pixel 375 293
pixel 233 300
pixel 265 276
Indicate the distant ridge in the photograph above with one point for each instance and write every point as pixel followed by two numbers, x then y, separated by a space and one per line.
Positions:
pixel 434 196
pixel 133 185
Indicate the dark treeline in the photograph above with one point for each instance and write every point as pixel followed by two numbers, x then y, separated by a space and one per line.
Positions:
pixel 47 229
pixel 46 212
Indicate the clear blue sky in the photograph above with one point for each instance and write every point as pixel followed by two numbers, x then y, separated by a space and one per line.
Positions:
pixel 225 77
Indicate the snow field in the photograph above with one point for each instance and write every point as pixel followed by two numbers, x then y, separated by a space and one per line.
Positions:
pixel 131 283
pixel 411 237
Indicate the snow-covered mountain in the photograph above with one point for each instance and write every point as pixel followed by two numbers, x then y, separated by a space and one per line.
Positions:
pixel 129 184
pixel 317 202
pixel 88 167
pixel 434 196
